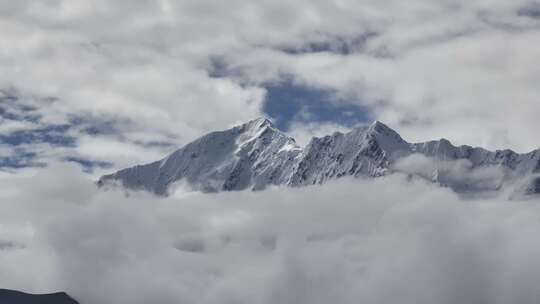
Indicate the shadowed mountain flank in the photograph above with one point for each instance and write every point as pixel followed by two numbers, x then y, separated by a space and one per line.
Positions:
pixel 17 297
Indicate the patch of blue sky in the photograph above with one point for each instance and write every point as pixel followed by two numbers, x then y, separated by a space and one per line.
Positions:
pixel 88 165
pixel 20 159
pixel 12 108
pixel 287 102
pixel 55 135
pixel 95 126
pixel 336 45
pixel 23 143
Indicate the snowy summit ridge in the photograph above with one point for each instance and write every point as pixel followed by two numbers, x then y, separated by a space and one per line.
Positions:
pixel 256 155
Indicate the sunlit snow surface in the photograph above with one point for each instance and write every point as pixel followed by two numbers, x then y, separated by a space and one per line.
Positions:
pixel 256 155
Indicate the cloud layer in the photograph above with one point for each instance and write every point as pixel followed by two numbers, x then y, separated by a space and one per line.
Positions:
pixel 123 82
pixel 344 242
pixel 145 73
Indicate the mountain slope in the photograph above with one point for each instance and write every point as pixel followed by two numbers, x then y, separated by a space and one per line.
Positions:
pixel 365 151
pixel 256 155
pixel 252 155
pixel 17 297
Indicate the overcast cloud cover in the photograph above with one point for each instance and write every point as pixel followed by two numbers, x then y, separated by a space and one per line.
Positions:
pixel 107 84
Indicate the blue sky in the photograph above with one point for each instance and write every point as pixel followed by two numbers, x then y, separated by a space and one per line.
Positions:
pixel 286 103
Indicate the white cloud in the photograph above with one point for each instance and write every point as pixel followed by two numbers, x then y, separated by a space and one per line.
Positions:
pixel 478 89
pixel 429 69
pixel 304 132
pixel 464 70
pixel 371 241
pixel 459 70
pixel 458 173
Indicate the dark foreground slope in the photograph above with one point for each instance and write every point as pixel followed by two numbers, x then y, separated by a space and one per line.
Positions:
pixel 17 297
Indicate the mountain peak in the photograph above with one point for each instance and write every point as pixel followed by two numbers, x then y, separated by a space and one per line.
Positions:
pixel 379 127
pixel 255 155
pixel 387 138
pixel 259 123
pixel 257 128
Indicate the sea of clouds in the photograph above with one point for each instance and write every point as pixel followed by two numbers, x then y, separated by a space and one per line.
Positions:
pixel 352 241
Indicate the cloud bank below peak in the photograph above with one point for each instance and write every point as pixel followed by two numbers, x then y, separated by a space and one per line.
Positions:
pixel 342 242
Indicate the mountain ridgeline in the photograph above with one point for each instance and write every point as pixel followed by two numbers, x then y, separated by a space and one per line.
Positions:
pixel 256 155
pixel 17 297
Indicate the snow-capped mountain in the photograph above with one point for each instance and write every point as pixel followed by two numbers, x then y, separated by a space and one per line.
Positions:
pixel 256 155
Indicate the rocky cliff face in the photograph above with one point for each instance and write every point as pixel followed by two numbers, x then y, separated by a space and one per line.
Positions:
pixel 256 155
